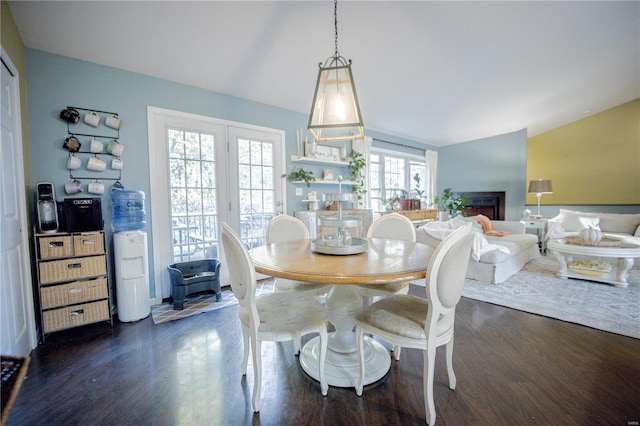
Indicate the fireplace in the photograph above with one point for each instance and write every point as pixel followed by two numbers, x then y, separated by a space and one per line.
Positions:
pixel 489 204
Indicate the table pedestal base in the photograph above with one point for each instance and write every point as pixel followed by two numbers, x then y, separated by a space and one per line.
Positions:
pixel 343 369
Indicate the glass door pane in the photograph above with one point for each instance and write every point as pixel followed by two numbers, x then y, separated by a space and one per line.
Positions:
pixel 260 193
pixel 193 193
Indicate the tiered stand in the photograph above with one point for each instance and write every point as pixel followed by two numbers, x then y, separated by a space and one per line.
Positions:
pixel 335 235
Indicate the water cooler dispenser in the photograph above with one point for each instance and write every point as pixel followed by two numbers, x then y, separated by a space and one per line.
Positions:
pixel 130 252
pixel 132 275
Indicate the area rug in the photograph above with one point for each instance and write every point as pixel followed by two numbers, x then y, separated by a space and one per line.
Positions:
pixel 202 303
pixel 536 289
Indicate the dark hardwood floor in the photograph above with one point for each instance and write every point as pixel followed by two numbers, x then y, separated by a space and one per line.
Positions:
pixel 513 368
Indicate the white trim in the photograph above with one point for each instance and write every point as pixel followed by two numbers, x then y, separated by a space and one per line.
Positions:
pixel 22 202
pixel 397 153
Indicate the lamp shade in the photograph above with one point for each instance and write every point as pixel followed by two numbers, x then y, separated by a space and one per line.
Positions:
pixel 335 112
pixel 540 186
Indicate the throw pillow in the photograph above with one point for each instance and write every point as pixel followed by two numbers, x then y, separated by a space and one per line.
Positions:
pixel 573 223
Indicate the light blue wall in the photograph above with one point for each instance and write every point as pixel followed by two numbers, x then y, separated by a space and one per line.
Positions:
pixel 492 164
pixel 54 81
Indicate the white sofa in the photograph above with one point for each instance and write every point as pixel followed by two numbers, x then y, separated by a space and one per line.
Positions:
pixel 570 223
pixel 490 262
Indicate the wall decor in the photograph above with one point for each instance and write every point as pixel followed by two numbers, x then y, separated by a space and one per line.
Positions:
pixel 327 152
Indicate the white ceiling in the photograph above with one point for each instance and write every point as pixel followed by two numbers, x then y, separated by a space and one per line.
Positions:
pixel 436 72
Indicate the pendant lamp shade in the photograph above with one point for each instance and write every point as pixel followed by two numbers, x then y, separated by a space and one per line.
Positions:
pixel 335 112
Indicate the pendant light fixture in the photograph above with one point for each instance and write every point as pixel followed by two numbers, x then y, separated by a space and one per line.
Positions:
pixel 335 113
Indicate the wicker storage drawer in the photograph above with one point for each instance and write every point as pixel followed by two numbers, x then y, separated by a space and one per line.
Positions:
pixel 74 316
pixel 53 247
pixel 76 292
pixel 72 269
pixel 86 244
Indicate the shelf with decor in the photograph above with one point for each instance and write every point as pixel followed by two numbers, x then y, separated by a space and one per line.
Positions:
pixel 309 160
pixel 326 182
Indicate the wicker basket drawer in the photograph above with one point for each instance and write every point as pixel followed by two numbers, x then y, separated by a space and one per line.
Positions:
pixel 72 269
pixel 76 292
pixel 74 316
pixel 86 244
pixel 52 247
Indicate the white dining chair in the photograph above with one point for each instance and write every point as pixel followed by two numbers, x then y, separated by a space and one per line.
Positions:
pixel 287 228
pixel 414 322
pixel 398 227
pixel 277 317
pixel 393 226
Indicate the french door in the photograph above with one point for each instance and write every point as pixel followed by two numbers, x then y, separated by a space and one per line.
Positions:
pixel 216 171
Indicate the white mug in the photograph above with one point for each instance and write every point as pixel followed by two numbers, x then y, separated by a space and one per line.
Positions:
pixel 117 163
pixel 73 187
pixel 92 119
pixel 115 148
pixel 113 121
pixel 96 146
pixel 96 187
pixel 74 162
pixel 118 150
pixel 96 164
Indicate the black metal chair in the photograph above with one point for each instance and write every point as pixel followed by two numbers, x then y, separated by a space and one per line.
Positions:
pixel 194 277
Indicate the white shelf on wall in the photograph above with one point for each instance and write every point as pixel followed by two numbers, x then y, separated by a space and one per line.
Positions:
pixel 327 182
pixel 309 160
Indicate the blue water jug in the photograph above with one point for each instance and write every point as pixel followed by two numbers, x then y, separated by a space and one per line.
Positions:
pixel 128 210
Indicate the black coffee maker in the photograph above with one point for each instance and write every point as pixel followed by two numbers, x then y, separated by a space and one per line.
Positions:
pixel 47 209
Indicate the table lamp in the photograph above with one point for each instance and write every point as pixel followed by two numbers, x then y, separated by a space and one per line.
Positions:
pixel 539 187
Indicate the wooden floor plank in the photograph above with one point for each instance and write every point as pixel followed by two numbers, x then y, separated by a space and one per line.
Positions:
pixel 512 368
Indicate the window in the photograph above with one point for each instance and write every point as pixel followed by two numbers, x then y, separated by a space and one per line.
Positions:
pixel 391 174
pixel 257 190
pixel 192 184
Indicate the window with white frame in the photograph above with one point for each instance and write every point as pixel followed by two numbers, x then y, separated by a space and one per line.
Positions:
pixel 393 174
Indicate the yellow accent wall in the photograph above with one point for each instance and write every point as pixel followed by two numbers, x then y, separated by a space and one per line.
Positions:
pixel 595 160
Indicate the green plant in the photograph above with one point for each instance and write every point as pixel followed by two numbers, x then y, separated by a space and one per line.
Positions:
pixel 357 163
pixel 300 174
pixel 449 202
pixel 418 191
pixel 389 202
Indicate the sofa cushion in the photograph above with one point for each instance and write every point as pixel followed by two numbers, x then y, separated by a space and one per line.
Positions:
pixel 575 223
pixel 515 243
pixel 608 222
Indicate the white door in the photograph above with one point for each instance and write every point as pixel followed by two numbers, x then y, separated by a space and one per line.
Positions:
pixel 216 171
pixel 17 333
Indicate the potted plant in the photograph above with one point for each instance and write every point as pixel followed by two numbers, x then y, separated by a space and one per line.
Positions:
pixel 388 203
pixel 300 174
pixel 419 192
pixel 451 203
pixel 356 166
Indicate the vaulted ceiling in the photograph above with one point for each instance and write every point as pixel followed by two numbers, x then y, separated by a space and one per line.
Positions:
pixel 436 72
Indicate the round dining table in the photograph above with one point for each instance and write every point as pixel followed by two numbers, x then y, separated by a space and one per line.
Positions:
pixel 385 261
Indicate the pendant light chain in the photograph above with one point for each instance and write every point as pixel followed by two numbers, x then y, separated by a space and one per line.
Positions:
pixel 335 23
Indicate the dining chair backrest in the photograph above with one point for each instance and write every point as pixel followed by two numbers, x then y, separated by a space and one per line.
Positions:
pixel 393 226
pixel 285 228
pixel 241 272
pixel 447 270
